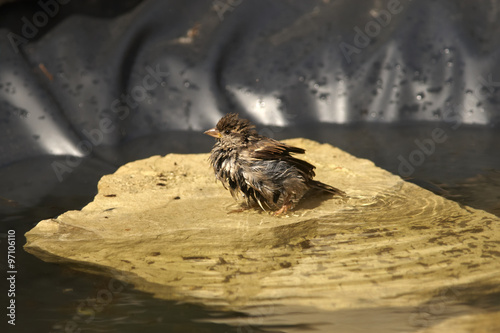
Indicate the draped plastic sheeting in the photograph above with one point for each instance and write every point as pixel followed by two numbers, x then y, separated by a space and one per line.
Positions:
pixel 93 81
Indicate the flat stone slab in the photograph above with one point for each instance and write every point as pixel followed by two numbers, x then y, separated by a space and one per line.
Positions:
pixel 163 223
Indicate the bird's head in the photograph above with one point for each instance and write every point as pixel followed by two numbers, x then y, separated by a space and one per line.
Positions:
pixel 232 129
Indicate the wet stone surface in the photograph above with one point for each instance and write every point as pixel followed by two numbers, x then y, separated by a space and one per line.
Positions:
pixel 163 224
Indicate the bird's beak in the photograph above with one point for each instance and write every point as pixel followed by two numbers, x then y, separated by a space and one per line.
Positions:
pixel 213 132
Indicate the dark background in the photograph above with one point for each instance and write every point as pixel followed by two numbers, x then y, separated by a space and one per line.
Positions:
pixel 86 86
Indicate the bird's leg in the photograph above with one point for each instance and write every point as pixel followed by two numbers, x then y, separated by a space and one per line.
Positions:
pixel 238 210
pixel 287 204
pixel 243 207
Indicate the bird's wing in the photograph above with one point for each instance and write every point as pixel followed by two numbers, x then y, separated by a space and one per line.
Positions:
pixel 269 149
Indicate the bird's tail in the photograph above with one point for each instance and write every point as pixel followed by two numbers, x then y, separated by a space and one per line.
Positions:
pixel 326 188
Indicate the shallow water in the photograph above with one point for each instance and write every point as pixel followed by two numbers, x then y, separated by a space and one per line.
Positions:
pixel 465 168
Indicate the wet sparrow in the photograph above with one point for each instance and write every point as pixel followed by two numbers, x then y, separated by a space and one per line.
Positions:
pixel 260 168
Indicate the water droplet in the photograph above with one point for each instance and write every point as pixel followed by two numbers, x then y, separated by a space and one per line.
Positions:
pixel 187 84
pixel 420 96
pixel 324 96
pixel 434 90
pixel 446 51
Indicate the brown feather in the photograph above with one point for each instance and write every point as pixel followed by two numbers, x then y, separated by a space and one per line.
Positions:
pixel 269 149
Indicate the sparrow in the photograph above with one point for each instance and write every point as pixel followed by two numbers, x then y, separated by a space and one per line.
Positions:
pixel 259 168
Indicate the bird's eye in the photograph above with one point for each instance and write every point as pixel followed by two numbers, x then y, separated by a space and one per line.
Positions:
pixel 227 131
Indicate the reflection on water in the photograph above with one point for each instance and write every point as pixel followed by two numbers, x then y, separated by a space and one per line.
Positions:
pixel 464 170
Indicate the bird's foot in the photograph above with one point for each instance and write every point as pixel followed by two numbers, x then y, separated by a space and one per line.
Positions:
pixel 241 209
pixel 238 210
pixel 283 209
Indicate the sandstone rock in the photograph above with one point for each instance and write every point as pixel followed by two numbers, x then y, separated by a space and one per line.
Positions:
pixel 163 224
